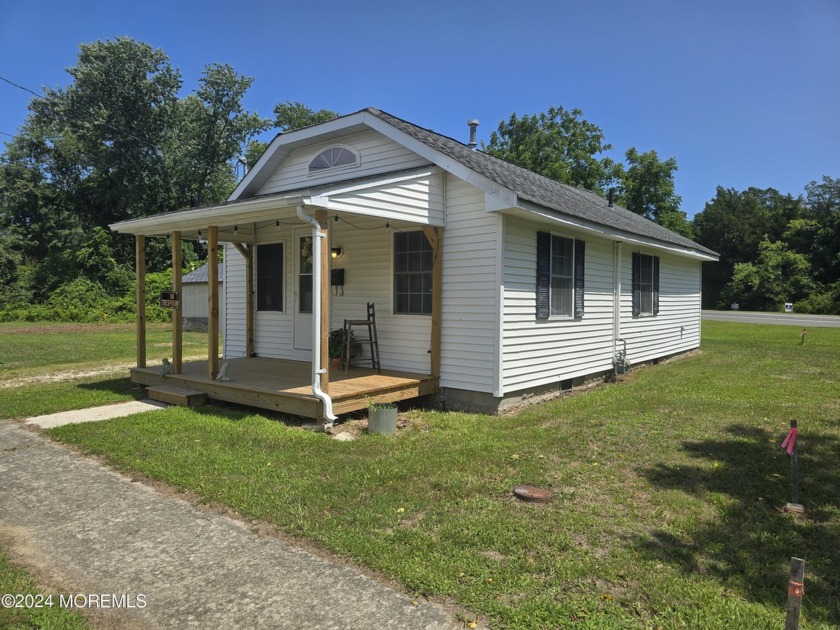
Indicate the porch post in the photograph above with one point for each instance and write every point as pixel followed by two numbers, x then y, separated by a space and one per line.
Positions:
pixel 177 336
pixel 321 217
pixel 140 258
pixel 435 237
pixel 212 301
pixel 249 301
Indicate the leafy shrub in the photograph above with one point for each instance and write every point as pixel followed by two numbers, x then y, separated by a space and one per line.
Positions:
pixel 84 300
pixel 823 303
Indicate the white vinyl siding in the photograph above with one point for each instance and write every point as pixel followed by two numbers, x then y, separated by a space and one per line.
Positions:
pixel 404 340
pixel 538 351
pixel 418 199
pixel 367 260
pixel 676 328
pixel 273 329
pixel 377 154
pixel 470 288
pixel 233 298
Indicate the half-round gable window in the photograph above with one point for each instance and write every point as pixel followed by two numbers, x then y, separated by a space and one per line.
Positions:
pixel 333 157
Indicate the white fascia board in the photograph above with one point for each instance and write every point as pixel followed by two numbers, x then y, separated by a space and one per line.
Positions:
pixel 434 156
pixel 502 199
pixel 220 215
pixel 526 208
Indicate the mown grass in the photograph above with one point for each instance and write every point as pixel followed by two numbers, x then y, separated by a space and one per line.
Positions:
pixel 17 581
pixel 46 368
pixel 669 490
pixel 32 349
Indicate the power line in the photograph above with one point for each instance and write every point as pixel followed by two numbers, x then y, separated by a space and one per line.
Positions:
pixel 20 87
pixel 85 116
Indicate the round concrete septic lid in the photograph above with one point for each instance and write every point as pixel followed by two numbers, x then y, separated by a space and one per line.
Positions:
pixel 533 494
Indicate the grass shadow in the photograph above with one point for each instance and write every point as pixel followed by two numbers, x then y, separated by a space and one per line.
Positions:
pixel 121 386
pixel 748 544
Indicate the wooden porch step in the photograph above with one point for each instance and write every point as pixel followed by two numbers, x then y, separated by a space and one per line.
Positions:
pixel 177 395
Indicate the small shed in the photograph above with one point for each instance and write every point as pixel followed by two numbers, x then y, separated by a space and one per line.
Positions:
pixel 194 300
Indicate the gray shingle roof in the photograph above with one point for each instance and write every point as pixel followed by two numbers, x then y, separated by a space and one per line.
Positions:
pixel 200 275
pixel 529 186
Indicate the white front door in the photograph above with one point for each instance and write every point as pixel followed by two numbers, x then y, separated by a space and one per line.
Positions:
pixel 302 350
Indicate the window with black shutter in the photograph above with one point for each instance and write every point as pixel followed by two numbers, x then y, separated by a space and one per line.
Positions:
pixel 560 276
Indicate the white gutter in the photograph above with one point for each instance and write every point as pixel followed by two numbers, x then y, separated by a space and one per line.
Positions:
pixel 317 235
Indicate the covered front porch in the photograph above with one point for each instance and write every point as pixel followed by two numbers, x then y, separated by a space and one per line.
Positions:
pixel 262 347
pixel 285 386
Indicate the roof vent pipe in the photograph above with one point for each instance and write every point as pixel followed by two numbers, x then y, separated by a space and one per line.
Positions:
pixel 473 124
pixel 610 198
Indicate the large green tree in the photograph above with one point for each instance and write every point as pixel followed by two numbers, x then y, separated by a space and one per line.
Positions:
pixel 117 142
pixel 293 115
pixel 778 275
pixel 566 147
pixel 646 187
pixel 734 224
pixel 559 144
pixel 822 200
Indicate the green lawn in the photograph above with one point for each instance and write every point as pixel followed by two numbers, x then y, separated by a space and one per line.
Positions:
pixel 45 368
pixel 40 615
pixel 669 487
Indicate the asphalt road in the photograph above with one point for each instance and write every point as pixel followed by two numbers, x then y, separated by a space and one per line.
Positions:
pixel 786 319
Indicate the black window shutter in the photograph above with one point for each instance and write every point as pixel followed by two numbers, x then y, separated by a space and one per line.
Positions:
pixel 637 292
pixel 580 261
pixel 543 274
pixel 656 285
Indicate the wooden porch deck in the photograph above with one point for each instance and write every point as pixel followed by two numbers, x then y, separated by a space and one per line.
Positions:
pixel 285 386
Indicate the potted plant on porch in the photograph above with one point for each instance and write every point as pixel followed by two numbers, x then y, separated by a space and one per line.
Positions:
pixel 336 348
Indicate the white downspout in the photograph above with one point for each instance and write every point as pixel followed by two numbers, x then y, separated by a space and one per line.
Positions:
pixel 616 296
pixel 317 236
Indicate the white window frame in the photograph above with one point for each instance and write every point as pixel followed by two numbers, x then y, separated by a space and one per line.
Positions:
pixel 646 286
pixel 331 169
pixel 284 296
pixel 571 277
pixel 394 279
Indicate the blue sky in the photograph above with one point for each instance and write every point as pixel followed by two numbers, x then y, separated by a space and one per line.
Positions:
pixel 741 92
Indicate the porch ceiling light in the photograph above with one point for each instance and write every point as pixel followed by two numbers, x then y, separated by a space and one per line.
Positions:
pixel 335 252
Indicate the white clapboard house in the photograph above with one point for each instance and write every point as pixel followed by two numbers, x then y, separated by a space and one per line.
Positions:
pixel 490 283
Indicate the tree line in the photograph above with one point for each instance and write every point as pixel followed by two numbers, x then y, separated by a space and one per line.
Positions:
pixel 119 143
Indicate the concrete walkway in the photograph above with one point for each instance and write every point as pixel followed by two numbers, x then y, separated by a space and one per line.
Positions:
pixel 94 414
pixel 88 530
